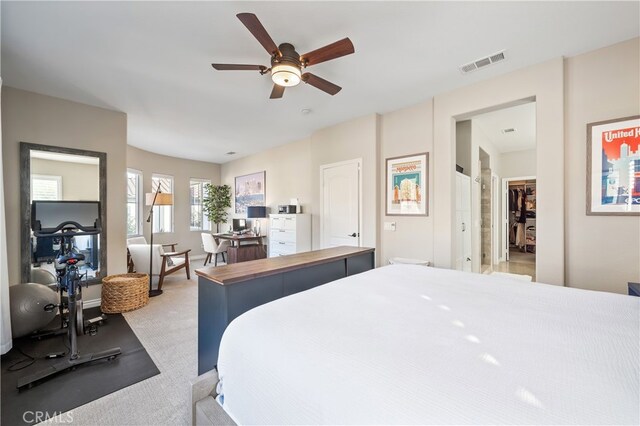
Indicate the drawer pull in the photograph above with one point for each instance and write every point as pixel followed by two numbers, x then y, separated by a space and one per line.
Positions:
pixel 281 242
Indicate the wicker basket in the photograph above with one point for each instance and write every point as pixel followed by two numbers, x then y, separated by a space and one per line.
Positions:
pixel 124 292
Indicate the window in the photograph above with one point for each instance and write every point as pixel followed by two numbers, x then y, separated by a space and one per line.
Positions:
pixel 45 187
pixel 134 203
pixel 162 215
pixel 197 194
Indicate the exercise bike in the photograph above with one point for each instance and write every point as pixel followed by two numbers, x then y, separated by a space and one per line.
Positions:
pixel 83 326
pixel 69 277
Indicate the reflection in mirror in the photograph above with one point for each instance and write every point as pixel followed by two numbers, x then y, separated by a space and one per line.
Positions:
pixel 61 174
pixel 58 177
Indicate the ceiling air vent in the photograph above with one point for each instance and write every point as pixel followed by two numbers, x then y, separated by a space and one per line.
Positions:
pixel 497 57
pixel 483 62
pixel 468 67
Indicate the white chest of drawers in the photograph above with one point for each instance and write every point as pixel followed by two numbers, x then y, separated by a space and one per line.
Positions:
pixel 289 234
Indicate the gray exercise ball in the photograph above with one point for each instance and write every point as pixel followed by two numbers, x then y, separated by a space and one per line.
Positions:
pixel 42 276
pixel 27 307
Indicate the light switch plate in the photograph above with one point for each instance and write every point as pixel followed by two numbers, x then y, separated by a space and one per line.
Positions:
pixel 389 226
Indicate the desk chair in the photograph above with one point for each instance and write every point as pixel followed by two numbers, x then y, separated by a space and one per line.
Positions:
pixel 211 247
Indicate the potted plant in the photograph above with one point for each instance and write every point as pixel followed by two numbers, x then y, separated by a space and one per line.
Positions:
pixel 216 203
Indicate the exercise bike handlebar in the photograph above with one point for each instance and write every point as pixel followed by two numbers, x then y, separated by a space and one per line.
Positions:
pixel 69 226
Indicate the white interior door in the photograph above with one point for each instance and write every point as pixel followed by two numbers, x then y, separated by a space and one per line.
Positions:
pixel 340 219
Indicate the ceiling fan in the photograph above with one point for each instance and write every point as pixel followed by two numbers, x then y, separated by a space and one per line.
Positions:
pixel 286 64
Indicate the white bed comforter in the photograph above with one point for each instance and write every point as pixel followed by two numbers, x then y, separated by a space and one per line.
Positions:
pixel 409 344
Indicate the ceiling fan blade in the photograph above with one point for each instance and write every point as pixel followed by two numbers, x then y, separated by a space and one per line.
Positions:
pixel 277 92
pixel 331 51
pixel 238 67
pixel 321 83
pixel 255 27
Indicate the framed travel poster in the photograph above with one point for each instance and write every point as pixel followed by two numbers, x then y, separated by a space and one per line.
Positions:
pixel 407 185
pixel 613 167
pixel 249 190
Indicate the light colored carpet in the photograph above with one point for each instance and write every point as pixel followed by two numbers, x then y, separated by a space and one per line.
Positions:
pixel 168 329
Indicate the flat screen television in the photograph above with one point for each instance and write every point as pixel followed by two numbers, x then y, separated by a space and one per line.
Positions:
pixel 47 216
pixel 239 225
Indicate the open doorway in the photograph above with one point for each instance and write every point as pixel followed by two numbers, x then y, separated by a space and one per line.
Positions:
pixel 492 149
pixel 519 226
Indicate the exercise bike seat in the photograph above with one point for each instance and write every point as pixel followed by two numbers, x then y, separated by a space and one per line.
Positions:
pixel 71 259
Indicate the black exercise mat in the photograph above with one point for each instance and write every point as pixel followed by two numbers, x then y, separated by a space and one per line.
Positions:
pixel 72 389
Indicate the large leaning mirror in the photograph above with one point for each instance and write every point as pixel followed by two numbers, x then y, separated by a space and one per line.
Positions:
pixel 62 174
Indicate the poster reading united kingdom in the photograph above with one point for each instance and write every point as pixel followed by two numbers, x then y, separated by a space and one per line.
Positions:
pixel 615 167
pixel 407 185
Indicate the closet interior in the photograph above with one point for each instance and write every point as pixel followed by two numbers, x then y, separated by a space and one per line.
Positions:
pixel 522 218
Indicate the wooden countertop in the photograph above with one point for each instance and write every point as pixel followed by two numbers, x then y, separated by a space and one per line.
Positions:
pixel 243 271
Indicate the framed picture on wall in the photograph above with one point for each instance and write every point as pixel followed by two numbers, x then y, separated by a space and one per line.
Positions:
pixel 613 167
pixel 407 185
pixel 249 190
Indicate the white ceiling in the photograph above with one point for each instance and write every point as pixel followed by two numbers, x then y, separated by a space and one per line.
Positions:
pixel 521 117
pixel 152 60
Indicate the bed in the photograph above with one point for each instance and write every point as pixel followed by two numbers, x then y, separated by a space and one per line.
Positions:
pixel 406 344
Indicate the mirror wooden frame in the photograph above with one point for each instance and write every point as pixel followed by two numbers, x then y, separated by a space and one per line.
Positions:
pixel 25 204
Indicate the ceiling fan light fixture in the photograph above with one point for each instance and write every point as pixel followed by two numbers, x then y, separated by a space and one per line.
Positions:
pixel 286 75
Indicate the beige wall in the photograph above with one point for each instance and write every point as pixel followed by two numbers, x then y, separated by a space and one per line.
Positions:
pixel 293 171
pixel 80 182
pixel 35 118
pixel 347 141
pixel 518 163
pixel 405 132
pixel 182 170
pixel 287 174
pixel 602 252
pixel 545 83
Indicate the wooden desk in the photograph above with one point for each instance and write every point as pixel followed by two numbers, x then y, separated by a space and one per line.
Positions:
pixel 239 252
pixel 228 291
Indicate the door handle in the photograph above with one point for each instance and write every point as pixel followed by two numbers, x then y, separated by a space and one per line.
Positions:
pixel 353 235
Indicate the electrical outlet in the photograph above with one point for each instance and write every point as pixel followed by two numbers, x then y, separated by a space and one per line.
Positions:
pixel 389 226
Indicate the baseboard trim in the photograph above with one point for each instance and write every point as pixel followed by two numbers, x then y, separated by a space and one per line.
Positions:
pixel 198 257
pixel 93 303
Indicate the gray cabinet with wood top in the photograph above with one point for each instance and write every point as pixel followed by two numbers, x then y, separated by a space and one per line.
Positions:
pixel 228 291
